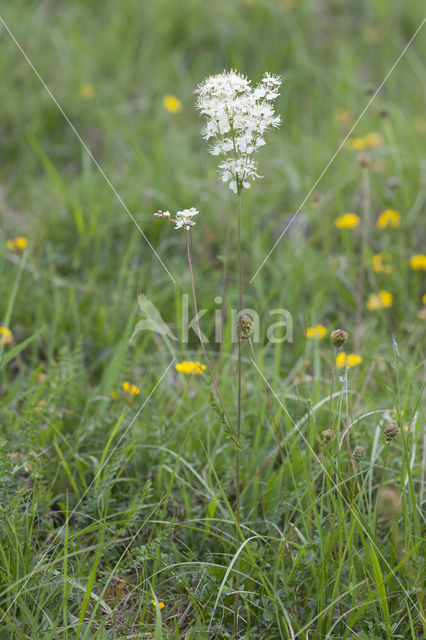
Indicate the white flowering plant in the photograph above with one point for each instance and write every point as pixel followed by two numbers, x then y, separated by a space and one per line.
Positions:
pixel 183 219
pixel 237 118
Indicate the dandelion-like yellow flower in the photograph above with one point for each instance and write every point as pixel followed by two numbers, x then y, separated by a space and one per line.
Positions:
pixel 388 218
pixel 418 262
pixel 356 143
pixel 160 604
pixel 347 221
pixel 348 360
pixel 424 298
pixel 132 389
pixel 18 243
pixel 87 91
pixel 114 395
pixel 172 103
pixel 373 140
pixel 6 336
pixel 190 368
pixel 318 332
pixel 380 300
pixel 378 263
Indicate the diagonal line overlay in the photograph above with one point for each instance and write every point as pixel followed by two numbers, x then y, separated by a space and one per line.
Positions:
pixel 86 148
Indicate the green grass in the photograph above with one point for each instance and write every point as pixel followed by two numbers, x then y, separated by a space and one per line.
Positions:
pixel 106 504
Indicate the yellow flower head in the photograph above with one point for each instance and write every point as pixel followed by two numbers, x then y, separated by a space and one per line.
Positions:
pixel 424 298
pixel 87 90
pixel 319 331
pixel 373 140
pixel 18 243
pixel 6 336
pixel 160 604
pixel 132 389
pixel 418 262
pixel 378 263
pixel 190 368
pixel 380 300
pixel 172 103
pixel 348 360
pixel 356 143
pixel 113 395
pixel 347 221
pixel 390 218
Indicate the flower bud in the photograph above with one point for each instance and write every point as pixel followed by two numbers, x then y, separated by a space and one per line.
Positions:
pixel 364 160
pixel 328 434
pixel 359 453
pixel 391 431
pixel 245 327
pixel 339 337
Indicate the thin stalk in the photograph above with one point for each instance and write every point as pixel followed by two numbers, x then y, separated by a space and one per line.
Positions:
pixel 364 242
pixel 237 450
pixel 194 298
pixel 224 287
pixel 380 487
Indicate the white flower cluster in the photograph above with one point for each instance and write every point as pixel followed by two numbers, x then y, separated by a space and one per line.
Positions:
pixel 183 219
pixel 238 116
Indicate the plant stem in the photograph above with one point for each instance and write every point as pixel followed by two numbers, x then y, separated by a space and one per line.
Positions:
pixel 224 288
pixel 237 451
pixel 364 241
pixel 380 486
pixel 194 297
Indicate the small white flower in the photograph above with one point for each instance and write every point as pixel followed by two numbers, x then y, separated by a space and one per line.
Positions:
pixel 183 219
pixel 237 116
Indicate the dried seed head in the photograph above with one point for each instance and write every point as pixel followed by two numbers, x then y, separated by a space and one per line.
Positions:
pixel 364 160
pixel 359 453
pixel 383 113
pixel 391 431
pixel 339 337
pixel 328 435
pixel 245 327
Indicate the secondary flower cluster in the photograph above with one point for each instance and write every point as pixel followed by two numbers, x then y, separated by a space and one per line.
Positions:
pixel 183 219
pixel 237 117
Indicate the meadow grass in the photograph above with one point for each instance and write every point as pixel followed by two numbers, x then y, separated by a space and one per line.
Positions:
pixel 113 502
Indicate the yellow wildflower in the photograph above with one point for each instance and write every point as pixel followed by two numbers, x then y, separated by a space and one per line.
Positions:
pixel 348 360
pixel 318 331
pixel 347 221
pixel 343 116
pixel 160 604
pixel 424 298
pixel 17 243
pixel 172 103
pixel 6 336
pixel 190 368
pixel 373 140
pixel 356 143
pixel 113 395
pixel 418 262
pixel 87 90
pixel 379 266
pixel 132 389
pixel 388 217
pixel 380 300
